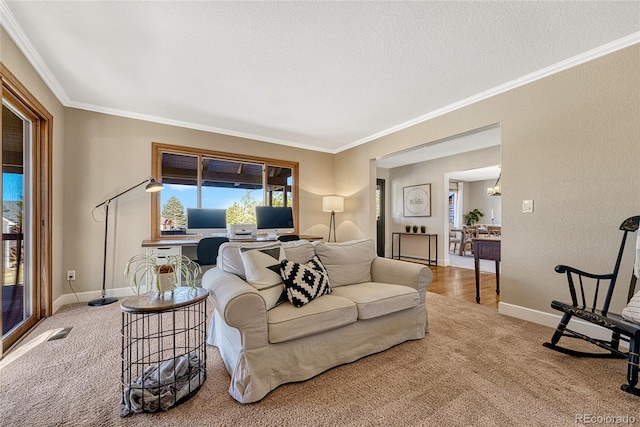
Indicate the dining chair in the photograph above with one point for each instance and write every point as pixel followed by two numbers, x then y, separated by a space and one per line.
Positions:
pixel 494 230
pixel 454 239
pixel 468 234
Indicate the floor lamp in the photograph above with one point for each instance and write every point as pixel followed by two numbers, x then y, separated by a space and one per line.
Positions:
pixel 152 187
pixel 332 204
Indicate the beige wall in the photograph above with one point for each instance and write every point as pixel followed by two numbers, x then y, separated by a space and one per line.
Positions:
pixel 17 64
pixel 477 198
pixel 108 154
pixel 570 142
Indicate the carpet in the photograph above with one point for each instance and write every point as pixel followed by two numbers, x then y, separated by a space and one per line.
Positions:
pixel 475 367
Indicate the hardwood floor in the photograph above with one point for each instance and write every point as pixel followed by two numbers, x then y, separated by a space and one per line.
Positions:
pixel 460 283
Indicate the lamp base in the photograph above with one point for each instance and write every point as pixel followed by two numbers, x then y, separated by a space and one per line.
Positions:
pixel 102 301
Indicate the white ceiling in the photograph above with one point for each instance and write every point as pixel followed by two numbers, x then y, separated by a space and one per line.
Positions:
pixel 320 75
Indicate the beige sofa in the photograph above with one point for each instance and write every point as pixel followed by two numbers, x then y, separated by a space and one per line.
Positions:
pixel 374 304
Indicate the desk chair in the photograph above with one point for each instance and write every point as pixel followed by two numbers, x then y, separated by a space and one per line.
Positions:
pixel 207 250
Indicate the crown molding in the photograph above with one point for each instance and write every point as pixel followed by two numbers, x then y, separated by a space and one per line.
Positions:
pixel 587 56
pixel 9 23
pixel 189 125
pixel 17 34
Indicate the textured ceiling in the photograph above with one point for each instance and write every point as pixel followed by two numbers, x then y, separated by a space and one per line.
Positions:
pixel 320 75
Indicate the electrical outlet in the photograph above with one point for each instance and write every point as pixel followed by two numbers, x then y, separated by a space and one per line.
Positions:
pixel 71 275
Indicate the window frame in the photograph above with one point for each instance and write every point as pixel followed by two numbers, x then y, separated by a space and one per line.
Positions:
pixel 157 150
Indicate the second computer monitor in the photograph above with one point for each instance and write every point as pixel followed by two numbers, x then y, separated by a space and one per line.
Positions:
pixel 274 220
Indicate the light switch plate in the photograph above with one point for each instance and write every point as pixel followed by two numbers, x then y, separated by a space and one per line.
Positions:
pixel 527 206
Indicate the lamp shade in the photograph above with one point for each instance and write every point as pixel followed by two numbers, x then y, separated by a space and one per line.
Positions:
pixel 153 186
pixel 333 204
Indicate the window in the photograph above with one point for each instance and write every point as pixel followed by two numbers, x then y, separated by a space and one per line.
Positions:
pixel 453 201
pixel 208 179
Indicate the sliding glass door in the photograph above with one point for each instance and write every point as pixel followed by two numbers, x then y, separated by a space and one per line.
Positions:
pixel 18 294
pixel 26 210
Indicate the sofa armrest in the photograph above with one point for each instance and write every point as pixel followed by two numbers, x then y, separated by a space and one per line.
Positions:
pixel 240 304
pixel 397 272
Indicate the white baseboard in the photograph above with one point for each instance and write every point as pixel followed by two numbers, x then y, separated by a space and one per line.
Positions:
pixel 88 296
pixel 552 320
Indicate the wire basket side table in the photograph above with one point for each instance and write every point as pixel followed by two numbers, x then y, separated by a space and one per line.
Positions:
pixel 164 355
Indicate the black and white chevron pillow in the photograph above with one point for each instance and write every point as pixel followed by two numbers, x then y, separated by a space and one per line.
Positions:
pixel 304 282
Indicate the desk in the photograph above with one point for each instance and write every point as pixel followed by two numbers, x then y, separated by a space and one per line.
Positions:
pixel 192 241
pixel 486 248
pixel 429 259
pixel 187 246
pixel 164 356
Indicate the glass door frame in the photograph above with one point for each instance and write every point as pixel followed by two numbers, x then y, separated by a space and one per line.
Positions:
pixel 40 210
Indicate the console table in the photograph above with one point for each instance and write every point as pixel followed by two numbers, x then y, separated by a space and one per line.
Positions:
pixel 164 356
pixel 486 248
pixel 430 260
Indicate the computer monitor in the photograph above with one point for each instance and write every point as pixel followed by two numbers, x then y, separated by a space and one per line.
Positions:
pixel 274 220
pixel 206 221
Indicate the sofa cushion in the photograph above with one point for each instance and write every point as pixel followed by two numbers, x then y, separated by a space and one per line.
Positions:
pixel 375 299
pixel 304 282
pixel 262 268
pixel 287 322
pixel 299 251
pixel 347 262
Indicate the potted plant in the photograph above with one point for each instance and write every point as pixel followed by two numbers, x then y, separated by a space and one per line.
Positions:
pixel 415 228
pixel 407 228
pixel 160 277
pixel 423 229
pixel 473 217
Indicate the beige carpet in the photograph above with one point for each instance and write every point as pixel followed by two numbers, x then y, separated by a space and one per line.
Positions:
pixel 475 367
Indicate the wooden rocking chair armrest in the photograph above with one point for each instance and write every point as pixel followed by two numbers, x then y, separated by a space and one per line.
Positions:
pixel 567 269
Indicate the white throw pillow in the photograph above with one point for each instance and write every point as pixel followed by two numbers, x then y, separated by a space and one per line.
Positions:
pixel 262 268
pixel 632 311
pixel 229 258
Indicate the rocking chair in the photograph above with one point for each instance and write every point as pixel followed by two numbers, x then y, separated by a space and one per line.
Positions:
pixel 599 314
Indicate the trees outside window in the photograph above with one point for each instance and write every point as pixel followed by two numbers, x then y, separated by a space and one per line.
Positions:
pixel 173 216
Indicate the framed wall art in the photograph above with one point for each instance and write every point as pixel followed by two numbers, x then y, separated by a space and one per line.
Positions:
pixel 417 200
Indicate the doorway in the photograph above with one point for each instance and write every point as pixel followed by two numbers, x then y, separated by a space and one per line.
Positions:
pixel 380 217
pixel 468 191
pixel 26 201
